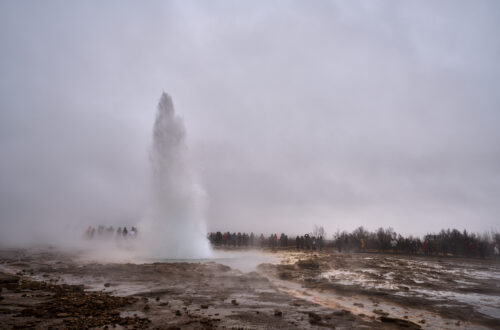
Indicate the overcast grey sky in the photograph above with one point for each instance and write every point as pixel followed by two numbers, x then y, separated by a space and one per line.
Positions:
pixel 336 113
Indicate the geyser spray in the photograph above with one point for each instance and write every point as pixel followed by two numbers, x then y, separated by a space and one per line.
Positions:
pixel 174 225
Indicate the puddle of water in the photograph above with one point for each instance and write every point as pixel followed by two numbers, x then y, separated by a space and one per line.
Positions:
pixel 244 261
pixel 132 314
pixel 489 305
pixel 346 277
pixel 426 275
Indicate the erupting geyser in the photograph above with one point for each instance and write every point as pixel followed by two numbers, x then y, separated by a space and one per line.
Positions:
pixel 174 226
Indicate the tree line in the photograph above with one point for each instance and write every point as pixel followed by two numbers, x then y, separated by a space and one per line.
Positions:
pixel 445 243
pixel 449 242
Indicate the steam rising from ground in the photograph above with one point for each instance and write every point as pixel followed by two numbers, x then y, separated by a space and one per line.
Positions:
pixel 174 226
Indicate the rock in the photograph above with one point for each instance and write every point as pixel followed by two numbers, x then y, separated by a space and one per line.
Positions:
pixel 234 302
pixel 285 275
pixel 400 322
pixel 380 312
pixel 178 313
pixel 278 313
pixel 359 305
pixel 6 278
pixel 107 285
pixel 173 327
pixel 308 264
pixel 341 312
pixel 314 318
pixel 204 306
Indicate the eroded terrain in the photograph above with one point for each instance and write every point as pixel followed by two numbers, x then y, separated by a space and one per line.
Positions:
pixel 432 292
pixel 50 289
pixel 46 288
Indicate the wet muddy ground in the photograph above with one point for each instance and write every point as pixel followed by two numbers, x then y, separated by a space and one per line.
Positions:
pixel 432 292
pixel 46 288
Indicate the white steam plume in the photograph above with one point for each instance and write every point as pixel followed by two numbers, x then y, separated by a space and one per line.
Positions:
pixel 174 226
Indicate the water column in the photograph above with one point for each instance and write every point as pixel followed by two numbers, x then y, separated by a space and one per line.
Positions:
pixel 174 226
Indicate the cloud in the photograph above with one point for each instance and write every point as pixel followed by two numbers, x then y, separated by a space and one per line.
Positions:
pixel 340 114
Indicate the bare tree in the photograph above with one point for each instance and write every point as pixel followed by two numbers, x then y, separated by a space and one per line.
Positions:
pixel 319 231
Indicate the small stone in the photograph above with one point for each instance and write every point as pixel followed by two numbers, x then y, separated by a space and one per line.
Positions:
pixel 314 318
pixel 173 327
pixel 204 306
pixel 278 313
pixel 234 302
pixel 178 313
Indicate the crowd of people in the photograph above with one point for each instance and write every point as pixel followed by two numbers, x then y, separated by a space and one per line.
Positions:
pixel 107 232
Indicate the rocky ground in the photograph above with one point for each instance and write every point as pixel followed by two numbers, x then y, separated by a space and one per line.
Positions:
pixel 429 291
pixel 50 289
pixel 36 294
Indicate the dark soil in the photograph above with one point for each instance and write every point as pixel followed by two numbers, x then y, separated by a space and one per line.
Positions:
pixel 53 291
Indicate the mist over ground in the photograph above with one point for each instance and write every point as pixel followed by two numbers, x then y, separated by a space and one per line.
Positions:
pixel 333 113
